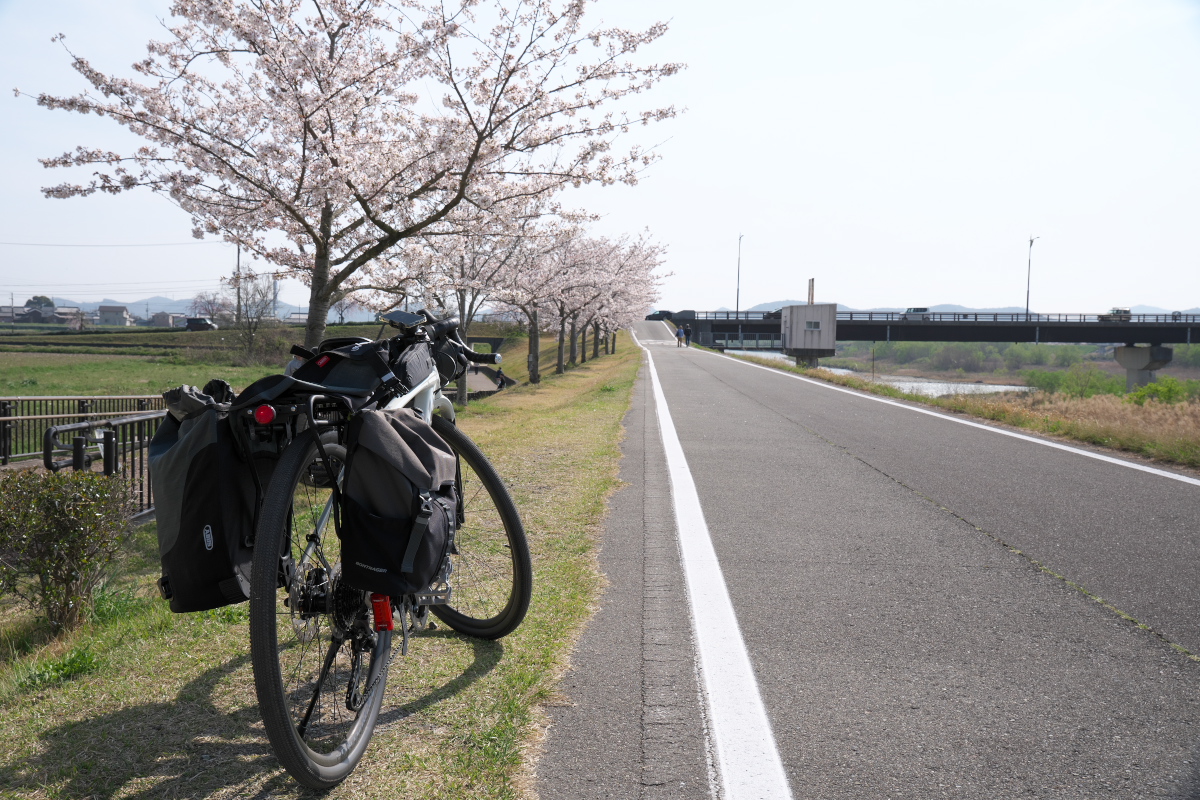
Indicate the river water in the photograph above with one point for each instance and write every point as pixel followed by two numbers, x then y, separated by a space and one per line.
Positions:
pixel 923 386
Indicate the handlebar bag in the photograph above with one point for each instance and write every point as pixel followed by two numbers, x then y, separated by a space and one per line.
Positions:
pixel 399 503
pixel 414 364
pixel 206 499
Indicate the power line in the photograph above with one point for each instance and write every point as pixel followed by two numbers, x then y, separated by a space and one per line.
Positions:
pixel 160 244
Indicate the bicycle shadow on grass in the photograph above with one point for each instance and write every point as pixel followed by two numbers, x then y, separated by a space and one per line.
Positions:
pixel 486 655
pixel 188 747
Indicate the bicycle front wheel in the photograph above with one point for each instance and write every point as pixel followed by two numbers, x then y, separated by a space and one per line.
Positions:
pixel 492 579
pixel 319 667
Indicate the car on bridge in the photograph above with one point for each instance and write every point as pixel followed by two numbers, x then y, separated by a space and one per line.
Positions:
pixel 917 313
pixel 1117 315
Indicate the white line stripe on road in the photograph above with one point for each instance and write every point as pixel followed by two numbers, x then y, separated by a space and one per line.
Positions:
pixel 1099 457
pixel 747 757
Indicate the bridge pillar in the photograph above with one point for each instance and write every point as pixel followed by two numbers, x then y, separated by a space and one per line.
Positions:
pixel 1140 363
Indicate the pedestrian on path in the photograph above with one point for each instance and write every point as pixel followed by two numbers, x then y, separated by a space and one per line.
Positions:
pixel 687 335
pixel 500 378
pixel 679 337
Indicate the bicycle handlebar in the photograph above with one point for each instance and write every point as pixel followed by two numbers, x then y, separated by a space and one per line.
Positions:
pixel 449 328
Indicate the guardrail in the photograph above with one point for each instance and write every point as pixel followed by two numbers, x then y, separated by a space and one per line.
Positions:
pixel 932 316
pixel 732 315
pixel 121 445
pixel 23 420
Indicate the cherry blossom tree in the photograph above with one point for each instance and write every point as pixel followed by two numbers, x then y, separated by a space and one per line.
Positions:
pixel 321 134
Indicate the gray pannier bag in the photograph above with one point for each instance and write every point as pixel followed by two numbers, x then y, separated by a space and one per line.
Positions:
pixel 399 503
pixel 206 497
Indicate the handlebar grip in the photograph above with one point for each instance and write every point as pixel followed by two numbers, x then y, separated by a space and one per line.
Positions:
pixel 439 329
pixel 482 358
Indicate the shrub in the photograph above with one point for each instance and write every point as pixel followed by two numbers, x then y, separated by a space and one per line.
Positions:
pixel 58 536
pixel 1066 357
pixel 907 352
pixel 1165 390
pixel 958 356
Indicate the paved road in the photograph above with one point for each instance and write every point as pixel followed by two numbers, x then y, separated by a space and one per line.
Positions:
pixel 907 590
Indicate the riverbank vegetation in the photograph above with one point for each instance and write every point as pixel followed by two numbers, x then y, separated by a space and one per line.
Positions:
pixel 1160 421
pixel 994 362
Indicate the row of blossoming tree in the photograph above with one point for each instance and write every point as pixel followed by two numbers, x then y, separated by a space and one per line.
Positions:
pixel 370 147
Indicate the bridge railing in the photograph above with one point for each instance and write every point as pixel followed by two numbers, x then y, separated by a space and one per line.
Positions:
pixel 735 315
pixel 747 341
pixel 24 420
pixel 931 316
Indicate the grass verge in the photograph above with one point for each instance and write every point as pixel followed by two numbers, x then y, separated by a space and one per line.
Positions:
pixel 1167 433
pixel 143 703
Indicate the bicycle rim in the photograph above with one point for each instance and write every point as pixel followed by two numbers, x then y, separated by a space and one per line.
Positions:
pixel 492 578
pixel 319 670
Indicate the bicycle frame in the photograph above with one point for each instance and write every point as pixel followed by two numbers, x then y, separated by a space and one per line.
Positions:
pixel 426 398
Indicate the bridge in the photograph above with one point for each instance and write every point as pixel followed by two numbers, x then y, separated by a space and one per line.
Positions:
pixel 1141 338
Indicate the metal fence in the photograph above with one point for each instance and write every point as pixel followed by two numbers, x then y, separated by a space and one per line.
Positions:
pixel 120 445
pixel 746 341
pixel 24 420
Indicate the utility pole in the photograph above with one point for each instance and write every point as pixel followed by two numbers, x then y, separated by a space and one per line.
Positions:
pixel 237 281
pixel 737 301
pixel 1028 274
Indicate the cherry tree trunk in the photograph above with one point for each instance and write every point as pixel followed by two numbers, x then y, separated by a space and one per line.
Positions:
pixel 574 358
pixel 583 357
pixel 463 326
pixel 560 366
pixel 614 344
pixel 320 291
pixel 596 340
pixel 535 348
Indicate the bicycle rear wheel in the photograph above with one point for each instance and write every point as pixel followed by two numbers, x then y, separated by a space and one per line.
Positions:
pixel 493 578
pixel 319 668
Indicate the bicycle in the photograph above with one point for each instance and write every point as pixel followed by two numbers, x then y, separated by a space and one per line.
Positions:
pixel 321 649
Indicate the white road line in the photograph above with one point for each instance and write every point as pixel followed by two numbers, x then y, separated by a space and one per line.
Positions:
pixel 1099 457
pixel 747 757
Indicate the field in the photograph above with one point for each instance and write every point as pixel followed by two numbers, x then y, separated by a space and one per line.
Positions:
pixel 143 703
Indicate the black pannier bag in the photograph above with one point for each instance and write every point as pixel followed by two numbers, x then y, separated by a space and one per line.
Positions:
pixel 205 499
pixel 399 503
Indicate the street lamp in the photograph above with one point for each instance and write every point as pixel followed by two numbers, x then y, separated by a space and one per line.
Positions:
pixel 737 302
pixel 1028 274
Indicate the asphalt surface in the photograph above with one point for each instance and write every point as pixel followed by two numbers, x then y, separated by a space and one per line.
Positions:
pixel 919 599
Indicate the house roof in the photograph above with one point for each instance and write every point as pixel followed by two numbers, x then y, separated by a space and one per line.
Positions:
pixel 115 309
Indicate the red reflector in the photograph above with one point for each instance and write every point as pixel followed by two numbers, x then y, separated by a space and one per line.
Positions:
pixel 381 610
pixel 264 415
pixel 322 361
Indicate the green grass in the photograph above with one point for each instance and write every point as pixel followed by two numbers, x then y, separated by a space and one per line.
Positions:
pixel 144 703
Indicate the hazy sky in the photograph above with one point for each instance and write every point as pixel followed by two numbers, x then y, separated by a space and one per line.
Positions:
pixel 899 153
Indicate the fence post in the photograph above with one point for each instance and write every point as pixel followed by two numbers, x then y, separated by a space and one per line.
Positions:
pixel 85 406
pixel 141 404
pixel 110 452
pixel 6 410
pixel 79 453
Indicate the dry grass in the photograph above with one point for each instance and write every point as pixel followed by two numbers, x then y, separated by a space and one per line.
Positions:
pixel 171 712
pixel 1165 432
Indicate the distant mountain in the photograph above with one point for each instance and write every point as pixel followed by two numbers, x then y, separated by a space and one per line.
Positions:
pixel 775 305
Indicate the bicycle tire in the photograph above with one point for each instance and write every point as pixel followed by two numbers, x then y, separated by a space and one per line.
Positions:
pixel 492 580
pixel 302 674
